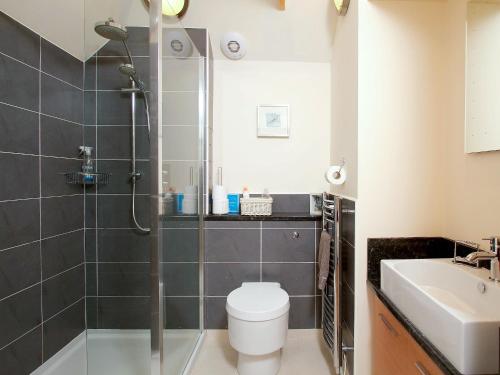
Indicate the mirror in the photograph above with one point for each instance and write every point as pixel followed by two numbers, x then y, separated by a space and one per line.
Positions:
pixel 483 76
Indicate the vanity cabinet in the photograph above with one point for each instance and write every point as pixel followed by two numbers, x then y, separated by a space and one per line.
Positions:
pixel 395 352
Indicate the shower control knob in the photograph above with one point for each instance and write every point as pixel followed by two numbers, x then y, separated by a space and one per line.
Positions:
pixel 295 235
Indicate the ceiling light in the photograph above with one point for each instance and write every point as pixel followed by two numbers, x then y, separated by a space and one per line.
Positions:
pixel 173 7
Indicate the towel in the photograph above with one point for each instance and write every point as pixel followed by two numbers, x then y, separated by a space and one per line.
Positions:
pixel 324 258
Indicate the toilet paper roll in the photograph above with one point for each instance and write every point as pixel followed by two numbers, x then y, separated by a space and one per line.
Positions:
pixel 336 175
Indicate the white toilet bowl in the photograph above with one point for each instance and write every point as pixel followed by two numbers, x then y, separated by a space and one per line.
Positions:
pixel 258 325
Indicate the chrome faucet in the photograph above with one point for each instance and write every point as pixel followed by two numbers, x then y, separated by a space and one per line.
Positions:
pixel 477 256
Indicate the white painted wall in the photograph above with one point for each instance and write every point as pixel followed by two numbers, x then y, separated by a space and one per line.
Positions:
pixel 344 107
pixel 294 164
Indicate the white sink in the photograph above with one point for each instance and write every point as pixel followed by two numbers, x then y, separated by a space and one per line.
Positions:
pixel 446 303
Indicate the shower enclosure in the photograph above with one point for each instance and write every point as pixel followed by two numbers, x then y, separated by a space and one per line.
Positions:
pixel 146 116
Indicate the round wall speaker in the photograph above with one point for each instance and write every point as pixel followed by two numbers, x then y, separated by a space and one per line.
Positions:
pixel 233 45
pixel 178 44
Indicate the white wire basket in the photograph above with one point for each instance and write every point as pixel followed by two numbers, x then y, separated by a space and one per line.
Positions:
pixel 256 206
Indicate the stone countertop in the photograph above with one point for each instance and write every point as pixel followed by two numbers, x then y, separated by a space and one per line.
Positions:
pixel 410 248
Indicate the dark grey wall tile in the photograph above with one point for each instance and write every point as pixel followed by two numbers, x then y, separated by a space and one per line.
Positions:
pixel 116 211
pixel 215 313
pixel 61 215
pixel 124 312
pixel 61 100
pixel 23 356
pixel 181 279
pixel 53 179
pixel 232 245
pixel 222 278
pixel 190 222
pixel 114 108
pixel 90 137
pixel 290 224
pixel 302 313
pixel 91 312
pixel 347 263
pixel 61 329
pixel 60 138
pixel 18 41
pixel 19 129
pixel 61 64
pixel 296 278
pixel 90 67
pixel 61 253
pixel 232 224
pixel 180 245
pixel 20 313
pixel 90 211
pixel 89 112
pixel 61 291
pixel 19 268
pixel 119 245
pixel 19 222
pixel 91 279
pixel 319 312
pixel 279 245
pixel 119 182
pixel 347 298
pixel 113 142
pixel 138 43
pixel 182 313
pixel 124 279
pixel 18 84
pixel 347 231
pixel 110 77
pixel 21 173
pixel 90 245
pixel 290 203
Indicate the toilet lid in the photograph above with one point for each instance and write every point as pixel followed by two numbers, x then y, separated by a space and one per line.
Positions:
pixel 258 302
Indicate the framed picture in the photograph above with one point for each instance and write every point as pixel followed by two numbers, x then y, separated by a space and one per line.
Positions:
pixel 273 121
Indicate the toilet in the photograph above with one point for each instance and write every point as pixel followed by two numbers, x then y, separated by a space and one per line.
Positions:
pixel 258 325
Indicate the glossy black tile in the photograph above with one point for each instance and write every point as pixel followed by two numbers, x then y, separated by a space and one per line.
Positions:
pixel 114 142
pixel 62 290
pixel 62 328
pixel 22 173
pixel 61 100
pixel 18 41
pixel 61 253
pixel 288 245
pixel 18 84
pixel 23 356
pixel 120 182
pixel 124 312
pixel 114 108
pixel 302 312
pixel 181 279
pixel 19 268
pixel 180 245
pixel 19 129
pixel 61 215
pixel 116 211
pixel 296 278
pixel 119 245
pixel 61 64
pixel 138 43
pixel 19 222
pixel 53 179
pixel 222 278
pixel 182 313
pixel 110 77
pixel 20 313
pixel 60 138
pixel 232 245
pixel 215 313
pixel 124 279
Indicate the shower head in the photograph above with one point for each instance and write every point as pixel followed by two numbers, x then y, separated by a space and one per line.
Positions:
pixel 111 30
pixel 128 70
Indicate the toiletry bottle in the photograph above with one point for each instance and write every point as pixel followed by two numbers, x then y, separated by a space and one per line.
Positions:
pixel 494 270
pixel 246 194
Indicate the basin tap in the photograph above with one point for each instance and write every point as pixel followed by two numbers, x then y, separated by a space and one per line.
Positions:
pixel 475 257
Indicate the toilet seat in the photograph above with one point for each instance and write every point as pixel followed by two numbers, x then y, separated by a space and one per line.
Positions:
pixel 257 302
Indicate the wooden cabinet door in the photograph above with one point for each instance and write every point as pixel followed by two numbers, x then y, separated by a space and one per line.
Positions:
pixel 422 363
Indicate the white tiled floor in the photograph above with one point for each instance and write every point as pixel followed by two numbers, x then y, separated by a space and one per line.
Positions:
pixel 304 353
